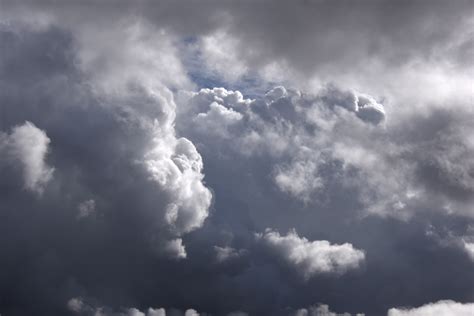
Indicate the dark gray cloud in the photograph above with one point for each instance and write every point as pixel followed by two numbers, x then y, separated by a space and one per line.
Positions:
pixel 125 186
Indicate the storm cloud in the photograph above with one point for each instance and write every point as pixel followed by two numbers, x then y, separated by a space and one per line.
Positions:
pixel 236 158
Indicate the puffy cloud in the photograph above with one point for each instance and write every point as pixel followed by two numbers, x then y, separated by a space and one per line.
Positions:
pixel 441 308
pixel 178 171
pixel 303 136
pixel 310 258
pixel 191 312
pixel 103 82
pixel 28 146
pixel 175 248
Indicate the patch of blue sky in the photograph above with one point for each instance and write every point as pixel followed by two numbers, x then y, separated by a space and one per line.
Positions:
pixel 250 84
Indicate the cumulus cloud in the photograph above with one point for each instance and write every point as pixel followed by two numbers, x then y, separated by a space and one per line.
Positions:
pixel 135 109
pixel 178 171
pixel 158 168
pixel 28 146
pixel 441 308
pixel 303 135
pixel 310 258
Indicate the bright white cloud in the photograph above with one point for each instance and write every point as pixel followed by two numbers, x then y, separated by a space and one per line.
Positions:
pixel 440 308
pixel 310 258
pixel 178 170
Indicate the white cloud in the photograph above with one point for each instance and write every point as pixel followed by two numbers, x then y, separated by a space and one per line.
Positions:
pixel 177 167
pixel 299 179
pixel 134 312
pixel 191 312
pixel 75 304
pixel 150 68
pixel 304 135
pixel 28 146
pixel 175 248
pixel 440 308
pixel 469 249
pixel 156 312
pixel 220 53
pixel 310 258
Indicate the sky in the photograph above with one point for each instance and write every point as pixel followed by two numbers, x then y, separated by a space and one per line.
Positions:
pixel 237 158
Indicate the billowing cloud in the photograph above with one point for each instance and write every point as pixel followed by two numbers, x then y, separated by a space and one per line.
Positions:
pixel 157 143
pixel 442 308
pixel 310 258
pixel 303 135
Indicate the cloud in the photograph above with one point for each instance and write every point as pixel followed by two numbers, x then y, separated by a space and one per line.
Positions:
pixel 228 253
pixel 79 306
pixel 310 258
pixel 166 170
pixel 442 308
pixel 28 146
pixel 75 304
pixel 175 248
pixel 469 248
pixel 178 171
pixel 320 310
pixel 134 109
pixel 86 208
pixel 303 135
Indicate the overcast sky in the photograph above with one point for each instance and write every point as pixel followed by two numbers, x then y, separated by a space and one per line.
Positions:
pixel 236 158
